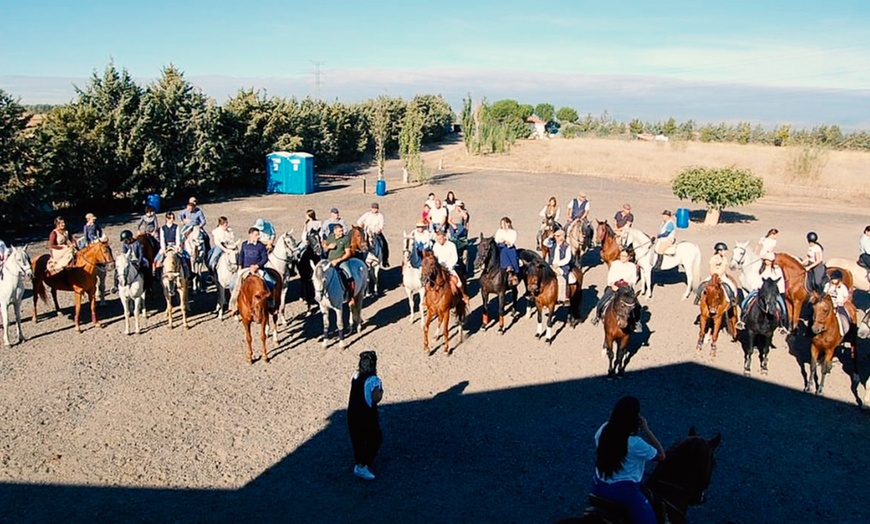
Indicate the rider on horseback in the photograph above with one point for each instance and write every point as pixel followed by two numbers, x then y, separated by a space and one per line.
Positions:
pixel 337 249
pixel 130 244
pixel 665 239
pixel 192 216
pixel 622 220
pixel 92 233
pixel 579 210
pixel 223 239
pixel 561 260
pixel 506 239
pixel 815 261
pixel 170 238
pixel 718 267
pixel 446 254
pixel 622 272
pixel 267 233
pixel 372 222
pixel 838 292
pixel 62 247
pixel 769 270
pixel 549 218
pixel 330 223
pixel 252 259
pixel 864 257
pixel 423 239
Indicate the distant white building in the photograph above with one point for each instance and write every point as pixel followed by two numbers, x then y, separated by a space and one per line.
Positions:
pixel 537 126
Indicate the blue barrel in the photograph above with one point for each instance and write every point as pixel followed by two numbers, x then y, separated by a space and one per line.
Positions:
pixel 153 200
pixel 682 218
pixel 381 187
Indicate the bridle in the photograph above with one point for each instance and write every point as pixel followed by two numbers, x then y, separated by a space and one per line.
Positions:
pixel 92 262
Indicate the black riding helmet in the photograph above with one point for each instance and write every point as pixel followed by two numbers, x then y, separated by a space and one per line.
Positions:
pixel 720 246
pixel 126 235
pixel 836 275
pixel 812 237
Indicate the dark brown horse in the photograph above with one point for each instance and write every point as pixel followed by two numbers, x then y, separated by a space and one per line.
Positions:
pixel 442 296
pixel 150 247
pixel 493 279
pixel 620 317
pixel 676 483
pixel 716 307
pixel 827 338
pixel 606 238
pixel 258 304
pixel 542 283
pixel 80 278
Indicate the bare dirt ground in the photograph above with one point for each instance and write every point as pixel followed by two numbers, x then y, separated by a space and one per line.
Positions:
pixel 175 426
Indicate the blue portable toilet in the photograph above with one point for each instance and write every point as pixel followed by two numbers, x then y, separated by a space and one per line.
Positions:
pixel 291 173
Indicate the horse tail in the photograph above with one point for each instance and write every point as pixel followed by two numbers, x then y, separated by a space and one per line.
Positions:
pixel 39 288
pixel 696 268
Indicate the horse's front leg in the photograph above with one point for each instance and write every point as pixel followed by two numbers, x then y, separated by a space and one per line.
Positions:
pixel 826 368
pixel 717 325
pixel 501 312
pixel 126 307
pixel 445 329
pixel 339 319
pixel 702 333
pixel 78 308
pixel 324 314
pixel 54 299
pixel 747 352
pixel 263 336
pixel 410 296
pixel 249 338
pixel 426 330
pixel 621 346
pixel 17 306
pixel 764 353
pixel 281 318
pixel 182 294
pixel 5 314
pixel 484 296
pixel 611 357
pixel 540 330
pixel 422 295
pixel 551 319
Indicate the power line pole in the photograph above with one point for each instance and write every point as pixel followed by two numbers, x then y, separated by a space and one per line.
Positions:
pixel 318 74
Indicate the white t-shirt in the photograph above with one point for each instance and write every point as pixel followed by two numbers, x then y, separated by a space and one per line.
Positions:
pixel 620 270
pixel 639 453
pixel 506 236
pixel 223 237
pixel 767 245
pixel 446 254
pixel 438 215
pixel 371 222
pixel 372 383
pixel 814 253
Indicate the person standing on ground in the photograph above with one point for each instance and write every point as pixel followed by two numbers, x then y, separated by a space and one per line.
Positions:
pixel 366 392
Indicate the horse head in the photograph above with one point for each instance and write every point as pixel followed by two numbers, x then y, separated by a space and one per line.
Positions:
pixel 768 295
pixel 19 262
pixel 823 308
pixel 683 477
pixel 624 302
pixel 358 240
pixel 429 268
pixel 601 231
pixel 533 279
pixel 314 244
pixel 738 256
pixel 485 250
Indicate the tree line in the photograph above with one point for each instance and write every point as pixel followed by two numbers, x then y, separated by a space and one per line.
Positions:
pixel 117 141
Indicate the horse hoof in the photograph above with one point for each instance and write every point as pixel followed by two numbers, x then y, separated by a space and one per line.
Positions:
pixel 763 371
pixel 538 335
pixel 746 372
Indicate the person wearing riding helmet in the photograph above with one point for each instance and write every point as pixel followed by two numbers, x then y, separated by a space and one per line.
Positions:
pixel 838 291
pixel 130 244
pixel 622 272
pixel 620 457
pixel 771 271
pixel 815 261
pixel 718 267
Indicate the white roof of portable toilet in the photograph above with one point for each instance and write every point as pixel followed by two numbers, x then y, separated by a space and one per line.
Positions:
pixel 285 154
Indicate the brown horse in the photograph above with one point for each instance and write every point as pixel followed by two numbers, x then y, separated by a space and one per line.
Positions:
pixel 258 304
pixel 359 244
pixel 542 283
pixel 606 238
pixel 796 292
pixel 827 338
pixel 716 307
pixel 80 278
pixel 620 317
pixel 442 295
pixel 149 251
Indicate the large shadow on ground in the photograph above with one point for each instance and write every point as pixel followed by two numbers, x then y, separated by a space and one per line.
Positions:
pixel 523 454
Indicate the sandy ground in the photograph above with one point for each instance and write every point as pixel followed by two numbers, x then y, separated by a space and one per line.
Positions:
pixel 175 426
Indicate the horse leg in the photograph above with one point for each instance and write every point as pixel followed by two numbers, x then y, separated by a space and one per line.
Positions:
pixel 611 357
pixel 717 325
pixel 540 330
pixel 551 319
pixel 422 295
pixel 747 352
pixel 445 328
pixel 411 305
pixel 324 313
pixel 56 305
pixel 137 306
pixel 812 379
pixel 78 308
pixel 621 345
pixel 764 353
pixel 501 312
pixel 126 306
pixel 263 336
pixel 426 330
pixel 17 306
pixel 183 299
pixel 703 331
pixel 5 314
pixel 485 297
pixel 168 298
pixel 249 338
pixel 339 319
pixel 826 368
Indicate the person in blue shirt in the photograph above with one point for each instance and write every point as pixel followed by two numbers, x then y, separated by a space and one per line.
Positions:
pixel 192 216
pixel 252 259
pixel 665 238
pixel 92 233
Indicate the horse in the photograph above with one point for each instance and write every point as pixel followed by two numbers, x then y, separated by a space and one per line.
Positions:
pixel 195 248
pixel 131 289
pixel 441 297
pixel 686 255
pixel 796 292
pixel 676 483
pixel 543 284
pixel 761 318
pixel 827 337
pixel 412 279
pixel 16 269
pixel 330 294
pixel 854 276
pixel 367 247
pixel 493 279
pixel 255 306
pixel 716 307
pixel 606 238
pixel 225 271
pixel 283 257
pixel 150 247
pixel 311 253
pixel 619 321
pixel 174 282
pixel 80 278
pixel 578 240
pixel 747 264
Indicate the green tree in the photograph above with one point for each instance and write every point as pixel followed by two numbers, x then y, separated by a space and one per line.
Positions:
pixel 635 126
pixel 670 127
pixel 567 115
pixel 23 192
pixel 436 114
pixel 410 140
pixel 380 120
pixel 718 188
pixel 545 112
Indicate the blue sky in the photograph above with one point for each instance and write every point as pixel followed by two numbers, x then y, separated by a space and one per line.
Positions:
pixel 765 61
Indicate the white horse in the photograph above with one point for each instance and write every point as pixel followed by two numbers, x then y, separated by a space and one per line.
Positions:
pixel 328 290
pixel 174 282
pixel 748 265
pixel 859 274
pixel 195 248
pixel 131 288
pixel 16 270
pixel 685 255
pixel 225 270
pixel 412 277
pixel 285 252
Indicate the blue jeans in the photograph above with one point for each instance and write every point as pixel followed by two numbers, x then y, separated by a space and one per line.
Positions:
pixel 629 495
pixel 213 257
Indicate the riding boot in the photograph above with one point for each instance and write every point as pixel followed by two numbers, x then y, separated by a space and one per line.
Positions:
pixel 385 250
pixel 698 292
pixel 658 264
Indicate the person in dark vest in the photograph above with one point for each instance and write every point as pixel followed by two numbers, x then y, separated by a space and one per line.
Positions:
pixel 92 233
pixel 579 209
pixel 561 260
pixel 366 391
pixel 170 237
pixel 252 259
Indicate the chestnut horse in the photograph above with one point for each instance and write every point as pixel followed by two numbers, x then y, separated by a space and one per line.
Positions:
pixel 255 306
pixel 542 283
pixel 827 338
pixel 796 292
pixel 619 318
pixel 441 297
pixel 716 307
pixel 150 247
pixel 676 483
pixel 80 278
pixel 606 238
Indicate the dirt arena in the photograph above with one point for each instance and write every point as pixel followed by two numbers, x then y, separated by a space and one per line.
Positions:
pixel 175 426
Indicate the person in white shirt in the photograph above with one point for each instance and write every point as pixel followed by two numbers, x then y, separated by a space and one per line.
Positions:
pixel 330 223
pixel 864 245
pixel 622 272
pixel 815 261
pixel 506 239
pixel 223 240
pixel 769 270
pixel 560 259
pixel 549 218
pixel 423 238
pixel 446 254
pixel 437 216
pixel 767 244
pixel 372 221
pixel 838 291
pixel 312 225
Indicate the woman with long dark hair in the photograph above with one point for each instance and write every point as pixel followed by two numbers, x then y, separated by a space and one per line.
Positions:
pixel 620 458
pixel 366 391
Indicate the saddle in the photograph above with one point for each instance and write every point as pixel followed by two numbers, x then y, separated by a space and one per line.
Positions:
pixel 607 510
